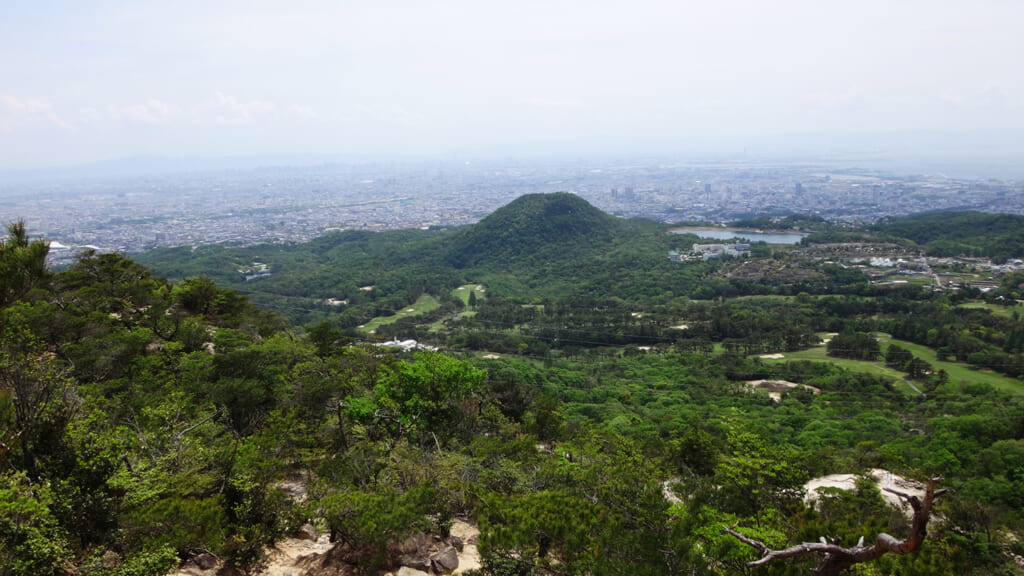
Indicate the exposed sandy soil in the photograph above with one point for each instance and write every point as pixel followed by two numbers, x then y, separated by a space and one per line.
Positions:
pixel 469 558
pixel 286 558
pixel 295 557
pixel 883 479
pixel 670 495
pixel 775 388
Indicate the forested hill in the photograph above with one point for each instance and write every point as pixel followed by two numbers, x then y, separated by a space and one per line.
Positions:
pixel 544 246
pixel 998 236
pixel 536 227
pixel 940 234
pixel 539 245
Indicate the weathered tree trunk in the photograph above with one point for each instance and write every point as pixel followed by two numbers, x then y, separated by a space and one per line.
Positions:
pixel 837 559
pixel 339 407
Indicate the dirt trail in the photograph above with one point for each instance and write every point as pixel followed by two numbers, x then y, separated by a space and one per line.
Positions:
pixel 469 558
pixel 295 557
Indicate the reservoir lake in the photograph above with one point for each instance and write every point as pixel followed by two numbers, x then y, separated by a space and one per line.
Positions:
pixel 750 236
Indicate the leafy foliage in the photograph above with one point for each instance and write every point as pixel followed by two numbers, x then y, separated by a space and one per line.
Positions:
pixel 22 263
pixel 142 423
pixel 998 236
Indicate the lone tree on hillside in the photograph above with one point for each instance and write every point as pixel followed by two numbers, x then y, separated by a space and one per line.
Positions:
pixel 836 559
pixel 22 263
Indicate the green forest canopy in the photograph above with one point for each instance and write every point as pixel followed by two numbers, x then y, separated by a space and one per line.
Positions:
pixel 144 422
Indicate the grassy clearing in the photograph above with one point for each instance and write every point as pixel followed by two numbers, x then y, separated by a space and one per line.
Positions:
pixel 817 354
pixel 465 290
pixel 1004 311
pixel 438 325
pixel 766 299
pixel 424 304
pixel 959 372
pixel 876 368
pixel 462 293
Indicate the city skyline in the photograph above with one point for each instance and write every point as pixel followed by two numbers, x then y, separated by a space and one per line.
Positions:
pixel 296 204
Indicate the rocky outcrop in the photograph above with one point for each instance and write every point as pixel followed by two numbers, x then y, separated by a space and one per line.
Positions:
pixel 205 561
pixel 312 554
pixel 306 532
pixel 456 542
pixel 445 561
pixel 415 561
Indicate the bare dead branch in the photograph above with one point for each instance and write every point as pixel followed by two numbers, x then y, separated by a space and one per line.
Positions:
pixel 836 559
pixel 178 435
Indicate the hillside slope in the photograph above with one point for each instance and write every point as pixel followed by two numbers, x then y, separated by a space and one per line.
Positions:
pixel 998 236
pixel 539 245
pixel 534 228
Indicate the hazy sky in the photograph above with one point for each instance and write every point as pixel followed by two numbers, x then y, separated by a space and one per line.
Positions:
pixel 82 81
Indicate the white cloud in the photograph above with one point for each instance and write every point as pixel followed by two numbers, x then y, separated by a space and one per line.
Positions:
pixel 16 112
pixel 150 112
pixel 90 115
pixel 225 109
pixel 304 112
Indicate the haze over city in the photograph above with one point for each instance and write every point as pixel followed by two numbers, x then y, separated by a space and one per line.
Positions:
pixel 927 86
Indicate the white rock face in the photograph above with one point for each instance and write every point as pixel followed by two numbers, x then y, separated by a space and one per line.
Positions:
pixel 883 479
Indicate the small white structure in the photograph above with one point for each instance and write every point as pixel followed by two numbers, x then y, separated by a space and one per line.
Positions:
pixel 406 345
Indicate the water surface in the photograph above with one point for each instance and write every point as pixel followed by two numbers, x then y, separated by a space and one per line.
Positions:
pixel 748 235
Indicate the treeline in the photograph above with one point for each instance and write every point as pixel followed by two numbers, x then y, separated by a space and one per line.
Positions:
pixel 792 222
pixel 749 326
pixel 942 234
pixel 996 236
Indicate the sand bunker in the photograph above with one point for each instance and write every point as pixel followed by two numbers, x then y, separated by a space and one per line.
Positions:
pixel 775 388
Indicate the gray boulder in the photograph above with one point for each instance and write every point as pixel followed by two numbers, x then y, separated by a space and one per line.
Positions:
pixel 446 560
pixel 306 532
pixel 205 561
pixel 414 561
